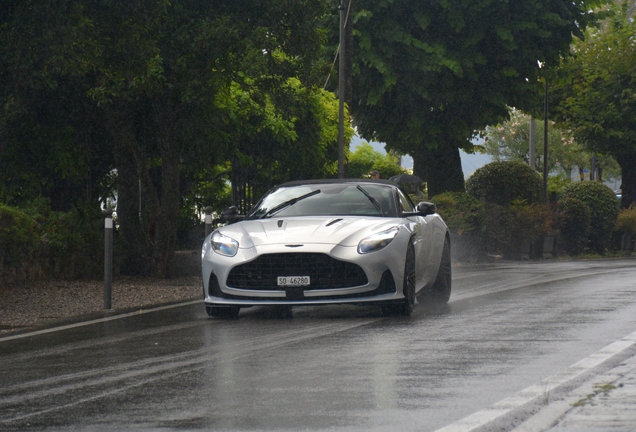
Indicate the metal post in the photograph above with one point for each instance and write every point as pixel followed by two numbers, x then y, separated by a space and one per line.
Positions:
pixel 208 221
pixel 533 143
pixel 108 257
pixel 341 92
pixel 545 143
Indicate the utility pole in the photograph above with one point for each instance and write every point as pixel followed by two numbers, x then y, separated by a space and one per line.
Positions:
pixel 533 143
pixel 545 143
pixel 341 90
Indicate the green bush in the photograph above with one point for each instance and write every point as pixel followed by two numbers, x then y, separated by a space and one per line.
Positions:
pixel 73 241
pixel 461 212
pixel 526 224
pixel 498 226
pixel 556 184
pixel 530 220
pixel 626 221
pixel 465 217
pixel 573 222
pixel 502 182
pixel 604 208
pixel 36 242
pixel 19 237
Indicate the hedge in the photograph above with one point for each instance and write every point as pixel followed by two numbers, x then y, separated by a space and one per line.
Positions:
pixel 604 209
pixel 502 182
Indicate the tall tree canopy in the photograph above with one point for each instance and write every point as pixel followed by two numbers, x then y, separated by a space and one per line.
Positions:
pixel 596 96
pixel 427 75
pixel 149 91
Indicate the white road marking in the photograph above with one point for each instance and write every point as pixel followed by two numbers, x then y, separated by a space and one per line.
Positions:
pixel 536 394
pixel 96 321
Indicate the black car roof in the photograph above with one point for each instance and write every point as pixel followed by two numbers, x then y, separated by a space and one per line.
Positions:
pixel 338 181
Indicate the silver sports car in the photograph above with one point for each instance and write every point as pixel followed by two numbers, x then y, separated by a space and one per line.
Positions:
pixel 321 242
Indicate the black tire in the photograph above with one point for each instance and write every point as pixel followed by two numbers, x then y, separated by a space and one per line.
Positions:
pixel 409 282
pixel 408 288
pixel 441 290
pixel 226 312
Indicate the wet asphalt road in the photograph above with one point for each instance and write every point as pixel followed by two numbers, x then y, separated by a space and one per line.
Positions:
pixel 343 368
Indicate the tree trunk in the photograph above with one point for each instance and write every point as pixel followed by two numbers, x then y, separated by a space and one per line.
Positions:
pixel 137 200
pixel 168 212
pixel 4 141
pixel 440 168
pixel 148 222
pixel 133 254
pixel 627 163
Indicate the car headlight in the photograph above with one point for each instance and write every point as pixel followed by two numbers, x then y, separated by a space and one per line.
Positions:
pixel 377 241
pixel 224 245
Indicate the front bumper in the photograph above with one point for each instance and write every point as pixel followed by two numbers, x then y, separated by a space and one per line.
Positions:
pixel 383 271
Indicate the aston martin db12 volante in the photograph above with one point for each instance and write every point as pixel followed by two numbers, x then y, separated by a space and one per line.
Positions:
pixel 320 242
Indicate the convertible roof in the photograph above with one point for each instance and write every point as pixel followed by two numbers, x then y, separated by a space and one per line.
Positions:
pixel 338 181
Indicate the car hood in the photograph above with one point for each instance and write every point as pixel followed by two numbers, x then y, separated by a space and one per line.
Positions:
pixel 344 230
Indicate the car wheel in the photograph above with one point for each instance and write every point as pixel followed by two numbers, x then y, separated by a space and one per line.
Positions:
pixel 441 291
pixel 408 287
pixel 228 312
pixel 409 281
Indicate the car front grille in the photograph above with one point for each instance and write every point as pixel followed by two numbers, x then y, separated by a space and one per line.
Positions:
pixel 325 272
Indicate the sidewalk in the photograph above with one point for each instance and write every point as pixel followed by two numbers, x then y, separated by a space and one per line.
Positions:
pixel 605 403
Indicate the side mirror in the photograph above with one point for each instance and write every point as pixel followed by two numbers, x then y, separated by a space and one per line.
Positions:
pixel 231 215
pixel 426 208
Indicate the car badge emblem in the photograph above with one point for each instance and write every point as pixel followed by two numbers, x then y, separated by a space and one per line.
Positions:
pixel 294 245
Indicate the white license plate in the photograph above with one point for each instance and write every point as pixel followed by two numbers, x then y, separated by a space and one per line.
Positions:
pixel 293 280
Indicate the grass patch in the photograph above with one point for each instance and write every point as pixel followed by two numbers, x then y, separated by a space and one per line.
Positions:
pixel 598 389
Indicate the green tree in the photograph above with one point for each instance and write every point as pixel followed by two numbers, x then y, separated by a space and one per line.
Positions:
pixel 49 143
pixel 510 140
pixel 596 98
pixel 427 75
pixel 168 87
pixel 365 158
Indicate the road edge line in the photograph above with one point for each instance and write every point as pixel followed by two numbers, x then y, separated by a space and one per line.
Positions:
pixel 525 403
pixel 98 320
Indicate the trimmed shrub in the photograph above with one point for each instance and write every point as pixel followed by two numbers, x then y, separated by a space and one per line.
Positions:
pixel 626 221
pixel 573 222
pixel 625 229
pixel 530 220
pixel 529 223
pixel 465 217
pixel 604 209
pixel 498 227
pixel 461 212
pixel 502 182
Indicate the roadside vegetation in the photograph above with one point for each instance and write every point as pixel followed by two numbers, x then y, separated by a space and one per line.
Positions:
pixel 501 216
pixel 163 109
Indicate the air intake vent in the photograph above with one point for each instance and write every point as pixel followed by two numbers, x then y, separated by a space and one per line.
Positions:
pixel 324 271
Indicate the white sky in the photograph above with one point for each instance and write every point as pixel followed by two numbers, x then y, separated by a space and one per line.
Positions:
pixel 470 162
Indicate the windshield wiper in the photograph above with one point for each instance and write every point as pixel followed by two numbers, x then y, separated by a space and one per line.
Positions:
pixel 288 203
pixel 373 200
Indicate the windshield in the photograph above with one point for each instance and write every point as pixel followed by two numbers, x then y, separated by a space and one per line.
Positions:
pixel 326 200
